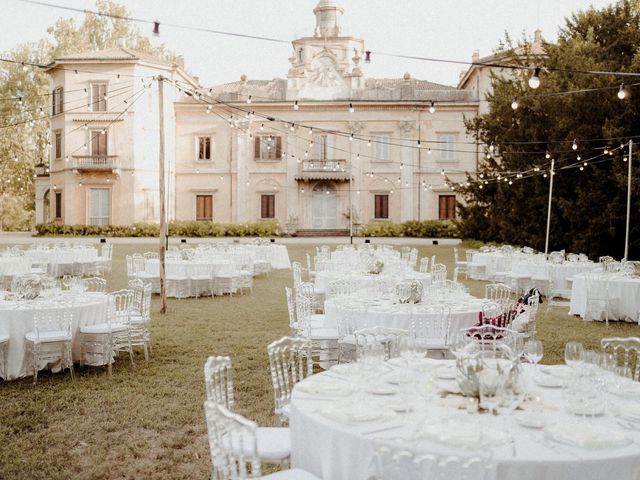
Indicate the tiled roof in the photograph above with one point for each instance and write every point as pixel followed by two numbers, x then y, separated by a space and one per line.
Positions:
pixel 112 54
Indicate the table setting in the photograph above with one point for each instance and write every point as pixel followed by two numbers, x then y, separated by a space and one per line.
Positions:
pixel 620 289
pixel 32 293
pixel 578 427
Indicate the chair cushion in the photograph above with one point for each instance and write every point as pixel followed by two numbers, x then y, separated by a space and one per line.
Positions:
pixel 274 443
pixel 292 474
pixel 98 328
pixel 45 337
pixel 323 334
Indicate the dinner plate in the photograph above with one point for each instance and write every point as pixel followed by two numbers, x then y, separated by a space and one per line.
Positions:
pixel 548 381
pixel 531 420
pixel 381 389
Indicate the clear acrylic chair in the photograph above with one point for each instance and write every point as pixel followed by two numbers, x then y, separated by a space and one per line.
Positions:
pixel 311 273
pixel 95 284
pixel 460 264
pixel 600 301
pixel 324 340
pixel 497 292
pixel 391 339
pixel 235 443
pixel 200 279
pixel 140 318
pixel 219 381
pixel 438 273
pixel 347 323
pixel 429 330
pixel 396 459
pixel 4 354
pixel 424 265
pixel 290 361
pixel 296 269
pixel 626 351
pixel 50 340
pixel 274 444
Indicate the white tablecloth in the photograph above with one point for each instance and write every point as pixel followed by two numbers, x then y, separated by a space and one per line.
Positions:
pixel 367 281
pixel 16 319
pixel 625 290
pixel 372 312
pixel 278 255
pixel 64 261
pixel 340 450
pixel 10 266
pixel 560 272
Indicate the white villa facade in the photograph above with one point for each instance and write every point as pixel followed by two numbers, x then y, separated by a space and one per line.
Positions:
pixel 323 148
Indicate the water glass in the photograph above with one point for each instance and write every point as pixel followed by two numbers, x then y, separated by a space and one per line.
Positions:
pixel 533 351
pixel 573 354
pixel 491 384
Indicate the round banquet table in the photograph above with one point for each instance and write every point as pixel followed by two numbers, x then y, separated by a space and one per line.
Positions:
pixel 277 255
pixel 64 261
pixel 332 433
pixel 560 273
pixel 184 269
pixel 367 280
pixel 369 312
pixel 16 319
pixel 626 290
pixel 10 266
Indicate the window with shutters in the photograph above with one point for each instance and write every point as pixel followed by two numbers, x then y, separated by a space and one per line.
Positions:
pixel 57 138
pixel 99 142
pixel 381 142
pixel 204 207
pixel 323 147
pixel 267 147
pixel 268 208
pixel 58 206
pixel 381 206
pixel 447 207
pixel 100 206
pixel 446 144
pixel 204 148
pixel 57 101
pixel 99 97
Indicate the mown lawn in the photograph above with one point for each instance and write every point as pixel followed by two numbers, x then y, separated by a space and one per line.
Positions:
pixel 146 421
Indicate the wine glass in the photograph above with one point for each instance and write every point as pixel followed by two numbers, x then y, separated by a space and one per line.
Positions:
pixel 573 354
pixel 533 351
pixel 491 386
pixel 66 281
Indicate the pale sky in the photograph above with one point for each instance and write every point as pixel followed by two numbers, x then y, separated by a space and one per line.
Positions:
pixel 448 29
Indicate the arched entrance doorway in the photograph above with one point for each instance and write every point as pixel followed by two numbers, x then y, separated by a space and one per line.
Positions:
pixel 324 206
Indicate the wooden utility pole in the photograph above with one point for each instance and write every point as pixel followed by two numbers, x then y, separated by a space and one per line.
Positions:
pixel 551 174
pixel 163 220
pixel 626 234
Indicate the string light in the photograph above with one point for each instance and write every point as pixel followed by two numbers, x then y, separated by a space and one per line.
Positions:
pixel 249 99
pixel 351 137
pixel 295 105
pixel 432 107
pixel 547 155
pixel 622 93
pixel 534 81
pixel 351 109
pixel 574 145
pixel 514 104
pixel 491 147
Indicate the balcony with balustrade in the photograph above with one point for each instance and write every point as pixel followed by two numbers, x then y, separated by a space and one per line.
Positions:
pixel 322 169
pixel 95 163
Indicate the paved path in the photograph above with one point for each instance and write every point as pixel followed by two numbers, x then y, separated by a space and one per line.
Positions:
pixel 27 238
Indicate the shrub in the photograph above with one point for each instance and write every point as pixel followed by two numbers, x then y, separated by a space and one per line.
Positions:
pixel 412 228
pixel 176 229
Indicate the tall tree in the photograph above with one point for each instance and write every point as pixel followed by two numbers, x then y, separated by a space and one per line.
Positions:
pixel 589 204
pixel 25 100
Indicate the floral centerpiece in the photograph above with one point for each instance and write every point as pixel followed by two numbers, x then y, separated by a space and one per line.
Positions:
pixel 375 266
pixel 27 286
pixel 409 291
pixel 477 363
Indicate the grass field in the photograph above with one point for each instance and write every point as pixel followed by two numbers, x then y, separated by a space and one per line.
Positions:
pixel 146 421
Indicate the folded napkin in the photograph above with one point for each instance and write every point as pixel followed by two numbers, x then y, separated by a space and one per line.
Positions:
pixel 357 413
pixel 463 434
pixel 586 435
pixel 323 388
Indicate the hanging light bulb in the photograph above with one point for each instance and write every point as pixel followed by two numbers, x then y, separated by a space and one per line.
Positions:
pixel 262 126
pixel 585 164
pixel 76 73
pixel 624 159
pixel 534 81
pixel 351 109
pixel 579 158
pixel 369 143
pixel 295 105
pixel 491 147
pixel 429 151
pixel 418 143
pixel 351 137
pixel 514 104
pixel 622 93
pixel 292 127
pixel 310 131
pixel 606 150
pixel 547 155
pixel 432 107
pixel 574 145
pixel 488 155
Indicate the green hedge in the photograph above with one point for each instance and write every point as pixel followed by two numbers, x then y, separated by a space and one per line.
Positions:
pixel 412 228
pixel 176 229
